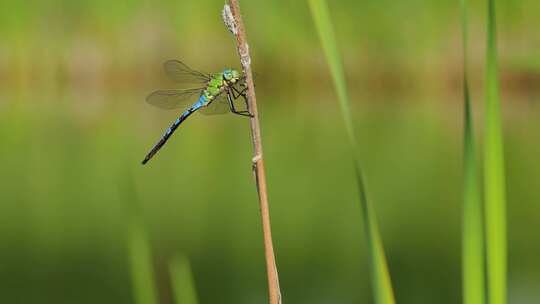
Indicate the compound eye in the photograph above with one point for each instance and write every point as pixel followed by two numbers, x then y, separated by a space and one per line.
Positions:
pixel 226 75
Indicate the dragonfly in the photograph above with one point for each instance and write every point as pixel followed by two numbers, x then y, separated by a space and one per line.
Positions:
pixel 217 94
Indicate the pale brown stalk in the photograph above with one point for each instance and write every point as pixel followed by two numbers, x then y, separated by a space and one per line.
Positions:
pixel 233 20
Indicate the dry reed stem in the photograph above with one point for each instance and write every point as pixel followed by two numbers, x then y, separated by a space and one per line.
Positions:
pixel 233 20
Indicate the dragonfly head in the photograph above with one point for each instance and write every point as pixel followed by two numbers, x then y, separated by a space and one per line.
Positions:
pixel 231 75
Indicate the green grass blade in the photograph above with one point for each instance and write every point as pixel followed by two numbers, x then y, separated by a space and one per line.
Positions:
pixel 138 245
pixel 472 232
pixel 140 258
pixel 182 281
pixel 494 176
pixel 381 283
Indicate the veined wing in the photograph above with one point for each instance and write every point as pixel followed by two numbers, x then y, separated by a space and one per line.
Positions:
pixel 220 105
pixel 180 72
pixel 173 99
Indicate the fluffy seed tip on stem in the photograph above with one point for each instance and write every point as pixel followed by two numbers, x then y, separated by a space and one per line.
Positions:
pixel 228 19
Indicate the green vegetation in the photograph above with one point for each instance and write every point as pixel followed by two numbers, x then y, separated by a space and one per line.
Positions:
pixel 182 281
pixel 494 184
pixel 140 257
pixel 473 264
pixel 73 78
pixel 380 278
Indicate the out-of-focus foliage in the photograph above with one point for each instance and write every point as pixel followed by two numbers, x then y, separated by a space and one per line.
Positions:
pixel 74 127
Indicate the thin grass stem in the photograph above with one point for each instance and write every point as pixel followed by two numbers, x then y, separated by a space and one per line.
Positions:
pixel 233 20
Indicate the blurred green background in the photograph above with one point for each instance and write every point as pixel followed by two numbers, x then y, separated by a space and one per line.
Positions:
pixel 74 127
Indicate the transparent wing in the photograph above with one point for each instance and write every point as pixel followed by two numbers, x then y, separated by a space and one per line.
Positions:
pixel 173 99
pixel 180 72
pixel 220 105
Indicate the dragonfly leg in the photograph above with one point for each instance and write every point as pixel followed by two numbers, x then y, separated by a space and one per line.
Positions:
pixel 230 98
pixel 243 94
pixel 238 92
pixel 246 102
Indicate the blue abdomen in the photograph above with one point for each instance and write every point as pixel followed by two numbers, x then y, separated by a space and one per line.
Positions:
pixel 200 103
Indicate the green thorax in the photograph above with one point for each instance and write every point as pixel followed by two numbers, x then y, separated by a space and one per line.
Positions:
pixel 214 86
